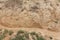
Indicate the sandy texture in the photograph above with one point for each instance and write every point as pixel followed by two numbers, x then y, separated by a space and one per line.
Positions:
pixel 41 14
pixel 30 13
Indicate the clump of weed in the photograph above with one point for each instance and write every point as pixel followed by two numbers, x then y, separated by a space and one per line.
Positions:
pixel 21 35
pixel 2 35
pixel 20 32
pixel 5 31
pixel 10 32
pixel 40 38
pixel 35 36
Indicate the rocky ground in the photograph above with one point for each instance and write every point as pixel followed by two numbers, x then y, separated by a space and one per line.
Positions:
pixel 42 16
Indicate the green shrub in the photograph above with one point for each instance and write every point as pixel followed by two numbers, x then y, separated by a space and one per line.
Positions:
pixel 40 38
pixel 2 35
pixel 5 31
pixel 10 32
pixel 37 37
pixel 21 35
pixel 20 31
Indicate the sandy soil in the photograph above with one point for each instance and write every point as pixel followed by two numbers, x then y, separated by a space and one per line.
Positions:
pixel 33 15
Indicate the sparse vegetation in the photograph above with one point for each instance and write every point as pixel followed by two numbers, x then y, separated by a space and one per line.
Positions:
pixel 20 35
pixel 2 35
pixel 37 37
pixel 5 31
pixel 20 31
pixel 40 38
pixel 10 32
pixel 23 35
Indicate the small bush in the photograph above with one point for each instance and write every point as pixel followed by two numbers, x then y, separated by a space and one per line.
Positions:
pixel 10 32
pixel 40 38
pixel 20 32
pixel 5 31
pixel 35 36
pixel 2 35
pixel 23 35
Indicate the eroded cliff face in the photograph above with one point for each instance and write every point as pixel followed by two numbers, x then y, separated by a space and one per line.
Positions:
pixel 30 13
